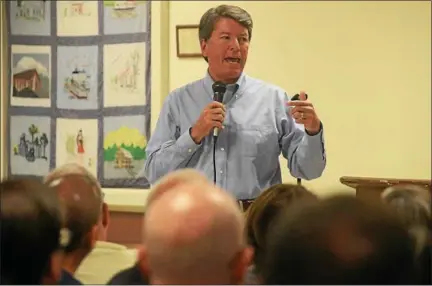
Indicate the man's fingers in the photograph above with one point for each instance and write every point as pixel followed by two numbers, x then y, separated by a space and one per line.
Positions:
pixel 217 124
pixel 304 109
pixel 217 111
pixel 303 96
pixel 299 103
pixel 217 117
pixel 216 104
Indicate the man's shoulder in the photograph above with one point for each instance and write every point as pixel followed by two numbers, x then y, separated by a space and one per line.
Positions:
pixel 185 89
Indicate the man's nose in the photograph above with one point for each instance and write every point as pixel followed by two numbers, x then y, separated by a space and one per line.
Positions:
pixel 235 45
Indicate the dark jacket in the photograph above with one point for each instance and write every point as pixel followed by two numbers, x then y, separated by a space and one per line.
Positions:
pixel 129 276
pixel 68 279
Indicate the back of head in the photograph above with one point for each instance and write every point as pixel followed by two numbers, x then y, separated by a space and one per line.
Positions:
pixel 412 204
pixel 192 234
pixel 340 240
pixel 81 195
pixel 173 180
pixel 31 223
pixel 263 212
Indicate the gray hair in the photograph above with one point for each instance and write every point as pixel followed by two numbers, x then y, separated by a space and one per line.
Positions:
pixel 413 206
pixel 210 18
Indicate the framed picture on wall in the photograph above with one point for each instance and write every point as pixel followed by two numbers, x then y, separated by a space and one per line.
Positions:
pixel 187 41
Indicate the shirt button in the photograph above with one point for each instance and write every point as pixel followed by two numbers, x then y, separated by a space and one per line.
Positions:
pixel 221 171
pixel 190 150
pixel 222 149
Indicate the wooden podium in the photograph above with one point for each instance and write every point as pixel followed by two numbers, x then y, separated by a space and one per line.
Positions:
pixel 371 188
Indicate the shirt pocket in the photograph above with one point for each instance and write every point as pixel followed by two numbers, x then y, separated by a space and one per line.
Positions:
pixel 256 141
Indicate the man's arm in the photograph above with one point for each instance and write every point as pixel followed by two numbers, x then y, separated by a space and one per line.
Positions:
pixel 305 153
pixel 167 149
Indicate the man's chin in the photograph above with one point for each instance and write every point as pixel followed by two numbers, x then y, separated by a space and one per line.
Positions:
pixel 235 73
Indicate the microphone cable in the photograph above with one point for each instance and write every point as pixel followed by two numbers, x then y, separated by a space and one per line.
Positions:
pixel 219 89
pixel 214 159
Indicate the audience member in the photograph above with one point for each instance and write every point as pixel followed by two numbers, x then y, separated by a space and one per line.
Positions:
pixel 106 258
pixel 136 275
pixel 413 206
pixel 341 240
pixel 194 234
pixel 261 215
pixel 31 233
pixel 81 195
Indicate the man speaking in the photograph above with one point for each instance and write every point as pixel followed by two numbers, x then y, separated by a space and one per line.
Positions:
pixel 233 127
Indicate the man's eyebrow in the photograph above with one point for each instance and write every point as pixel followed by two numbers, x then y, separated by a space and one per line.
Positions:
pixel 245 34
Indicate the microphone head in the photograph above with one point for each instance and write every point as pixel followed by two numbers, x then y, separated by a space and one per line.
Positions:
pixel 219 87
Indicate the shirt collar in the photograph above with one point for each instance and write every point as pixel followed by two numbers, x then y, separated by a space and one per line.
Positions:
pixel 237 88
pixel 109 245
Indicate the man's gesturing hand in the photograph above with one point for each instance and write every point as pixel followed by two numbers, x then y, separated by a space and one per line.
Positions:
pixel 212 116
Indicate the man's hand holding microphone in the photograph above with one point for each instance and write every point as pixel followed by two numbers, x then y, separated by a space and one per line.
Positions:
pixel 211 117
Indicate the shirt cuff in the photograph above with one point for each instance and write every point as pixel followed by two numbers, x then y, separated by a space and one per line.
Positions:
pixel 185 143
pixel 316 141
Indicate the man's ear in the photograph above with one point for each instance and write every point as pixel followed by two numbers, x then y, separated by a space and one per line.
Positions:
pixel 240 264
pixel 105 215
pixel 54 271
pixel 143 261
pixel 203 44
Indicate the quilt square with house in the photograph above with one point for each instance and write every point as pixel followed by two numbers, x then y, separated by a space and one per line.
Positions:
pixel 124 146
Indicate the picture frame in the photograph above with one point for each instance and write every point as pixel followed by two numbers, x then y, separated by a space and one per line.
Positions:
pixel 187 41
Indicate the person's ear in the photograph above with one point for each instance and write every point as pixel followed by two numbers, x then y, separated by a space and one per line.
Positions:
pixel 239 265
pixel 54 271
pixel 105 215
pixel 143 261
pixel 203 44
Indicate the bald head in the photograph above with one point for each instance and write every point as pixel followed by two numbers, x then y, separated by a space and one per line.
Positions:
pixel 81 195
pixel 193 233
pixel 175 179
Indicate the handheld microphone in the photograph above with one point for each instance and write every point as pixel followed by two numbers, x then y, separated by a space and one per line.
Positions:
pixel 297 96
pixel 219 89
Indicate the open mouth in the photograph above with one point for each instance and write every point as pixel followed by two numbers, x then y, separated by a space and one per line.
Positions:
pixel 233 60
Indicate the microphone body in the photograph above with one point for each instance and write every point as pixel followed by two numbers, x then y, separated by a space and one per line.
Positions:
pixel 219 89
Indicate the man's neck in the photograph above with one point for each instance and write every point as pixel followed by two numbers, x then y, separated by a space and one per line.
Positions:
pixel 225 80
pixel 71 263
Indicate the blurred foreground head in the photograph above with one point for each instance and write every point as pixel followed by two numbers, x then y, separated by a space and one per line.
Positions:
pixel 340 240
pixel 193 234
pixel 173 180
pixel 412 204
pixel 31 233
pixel 264 211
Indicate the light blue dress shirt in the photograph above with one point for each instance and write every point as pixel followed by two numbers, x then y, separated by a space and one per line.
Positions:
pixel 257 128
